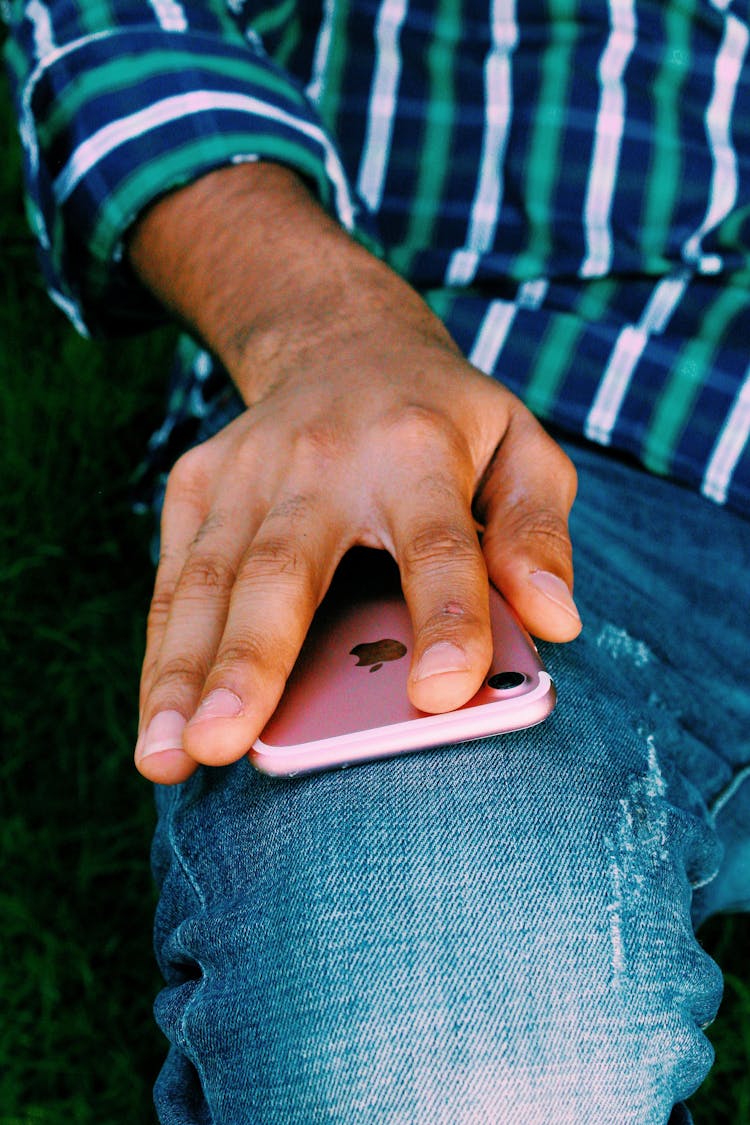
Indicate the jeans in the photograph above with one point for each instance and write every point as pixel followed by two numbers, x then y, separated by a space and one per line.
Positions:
pixel 497 931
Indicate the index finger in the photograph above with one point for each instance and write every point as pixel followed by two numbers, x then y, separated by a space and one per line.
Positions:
pixel 279 584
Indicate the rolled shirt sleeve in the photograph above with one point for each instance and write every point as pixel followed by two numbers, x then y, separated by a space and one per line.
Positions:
pixel 118 104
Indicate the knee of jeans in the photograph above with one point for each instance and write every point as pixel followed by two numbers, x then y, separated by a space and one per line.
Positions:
pixel 487 933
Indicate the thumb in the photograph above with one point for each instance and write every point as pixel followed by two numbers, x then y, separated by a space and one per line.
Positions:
pixel 524 502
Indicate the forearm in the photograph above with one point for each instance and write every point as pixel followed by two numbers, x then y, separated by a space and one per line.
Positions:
pixel 249 260
pixel 157 128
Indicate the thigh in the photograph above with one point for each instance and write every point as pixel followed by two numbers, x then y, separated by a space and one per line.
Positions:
pixel 497 931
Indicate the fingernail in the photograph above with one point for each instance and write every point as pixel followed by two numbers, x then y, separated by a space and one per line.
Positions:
pixel 442 657
pixel 555 589
pixel 164 732
pixel 218 704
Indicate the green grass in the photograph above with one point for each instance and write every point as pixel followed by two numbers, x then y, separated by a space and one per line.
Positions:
pixel 77 1043
pixel 77 979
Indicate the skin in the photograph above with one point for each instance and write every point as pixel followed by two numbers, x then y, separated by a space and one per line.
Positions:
pixel 364 425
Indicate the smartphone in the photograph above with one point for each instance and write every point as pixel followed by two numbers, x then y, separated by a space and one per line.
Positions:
pixel 346 700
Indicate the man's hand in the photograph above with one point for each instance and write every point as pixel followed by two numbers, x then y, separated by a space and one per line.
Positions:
pixel 365 426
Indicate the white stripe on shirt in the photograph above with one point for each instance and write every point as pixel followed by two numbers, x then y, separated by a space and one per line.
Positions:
pixel 381 110
pixel 27 125
pixel 723 195
pixel 322 51
pixel 99 145
pixel 488 199
pixel 497 322
pixel 625 355
pixel 170 14
pixel 70 309
pixel 44 40
pixel 732 441
pixel 610 123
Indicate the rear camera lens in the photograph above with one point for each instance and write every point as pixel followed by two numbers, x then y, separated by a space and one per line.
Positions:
pixel 504 681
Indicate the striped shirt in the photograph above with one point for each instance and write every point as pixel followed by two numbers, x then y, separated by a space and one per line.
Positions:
pixel 566 181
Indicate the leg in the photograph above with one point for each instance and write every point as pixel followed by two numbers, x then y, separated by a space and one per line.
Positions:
pixel 496 932
pixel 493 932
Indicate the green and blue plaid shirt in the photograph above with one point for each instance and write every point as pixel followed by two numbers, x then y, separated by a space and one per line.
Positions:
pixel 566 181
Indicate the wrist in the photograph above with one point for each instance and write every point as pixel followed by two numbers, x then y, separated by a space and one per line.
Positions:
pixel 238 256
pixel 248 259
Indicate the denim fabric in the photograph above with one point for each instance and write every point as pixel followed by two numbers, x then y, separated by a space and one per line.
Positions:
pixel 498 931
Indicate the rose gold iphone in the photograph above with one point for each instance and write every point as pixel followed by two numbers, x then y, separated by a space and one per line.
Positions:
pixel 346 700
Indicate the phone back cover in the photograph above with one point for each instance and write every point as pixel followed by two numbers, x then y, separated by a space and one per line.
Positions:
pixel 351 674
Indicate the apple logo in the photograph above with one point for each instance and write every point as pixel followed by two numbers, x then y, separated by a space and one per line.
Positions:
pixel 376 653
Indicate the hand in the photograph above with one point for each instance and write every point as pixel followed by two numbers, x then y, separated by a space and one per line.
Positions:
pixel 366 427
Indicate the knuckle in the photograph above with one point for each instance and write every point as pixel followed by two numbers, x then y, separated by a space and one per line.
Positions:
pixel 542 526
pixel 248 650
pixel 214 522
pixel 565 475
pixel 178 673
pixel 292 508
pixel 241 652
pixel 449 621
pixel 158 611
pixel 205 573
pixel 189 476
pixel 440 545
pixel 559 471
pixel 414 426
pixel 276 558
